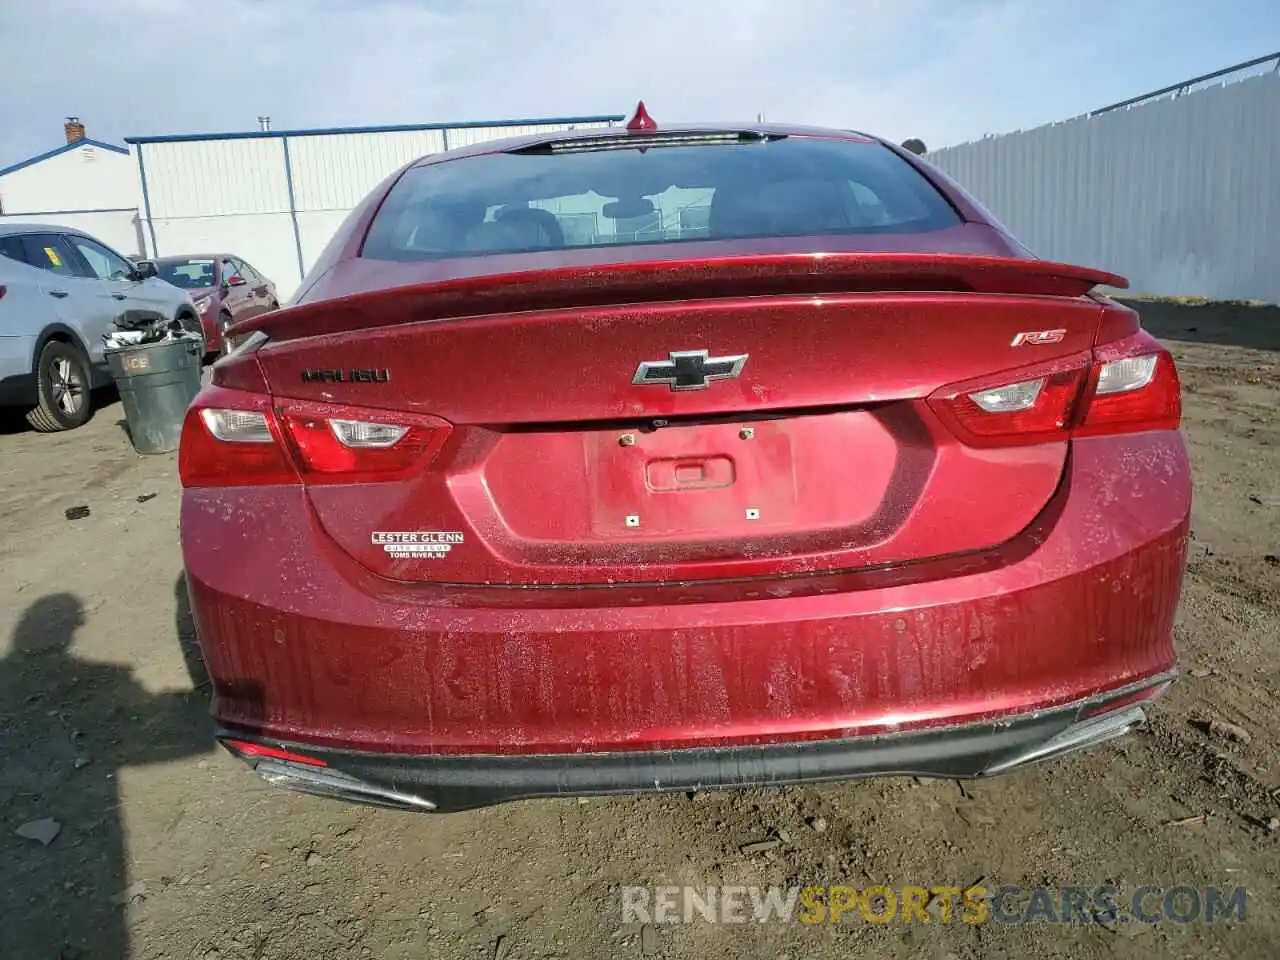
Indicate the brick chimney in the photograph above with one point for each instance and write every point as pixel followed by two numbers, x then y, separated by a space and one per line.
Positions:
pixel 74 129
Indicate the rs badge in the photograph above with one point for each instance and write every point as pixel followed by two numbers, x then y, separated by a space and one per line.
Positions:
pixel 1038 337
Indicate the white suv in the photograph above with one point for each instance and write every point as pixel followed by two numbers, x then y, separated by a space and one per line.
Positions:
pixel 60 291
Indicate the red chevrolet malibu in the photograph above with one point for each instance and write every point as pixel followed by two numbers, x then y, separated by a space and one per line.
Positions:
pixel 673 458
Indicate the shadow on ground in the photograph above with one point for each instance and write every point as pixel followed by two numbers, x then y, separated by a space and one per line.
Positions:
pixel 14 419
pixel 68 726
pixel 1227 324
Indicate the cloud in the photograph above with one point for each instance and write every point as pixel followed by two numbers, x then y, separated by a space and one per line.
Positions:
pixel 943 71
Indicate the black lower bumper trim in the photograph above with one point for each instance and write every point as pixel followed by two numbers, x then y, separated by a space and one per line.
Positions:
pixel 453 782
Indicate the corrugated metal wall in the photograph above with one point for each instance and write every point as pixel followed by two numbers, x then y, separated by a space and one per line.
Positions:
pixel 276 199
pixel 214 196
pixel 1179 195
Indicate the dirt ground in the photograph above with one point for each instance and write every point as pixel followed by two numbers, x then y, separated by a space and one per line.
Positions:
pixel 168 848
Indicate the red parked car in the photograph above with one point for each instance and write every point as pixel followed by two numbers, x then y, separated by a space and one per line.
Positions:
pixel 225 288
pixel 655 458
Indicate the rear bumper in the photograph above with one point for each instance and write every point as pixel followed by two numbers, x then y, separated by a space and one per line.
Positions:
pixel 306 647
pixel 450 783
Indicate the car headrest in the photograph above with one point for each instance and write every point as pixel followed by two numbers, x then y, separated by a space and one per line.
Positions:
pixel 784 206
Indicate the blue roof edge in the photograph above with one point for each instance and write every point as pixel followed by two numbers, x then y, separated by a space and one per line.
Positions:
pixel 394 128
pixel 74 145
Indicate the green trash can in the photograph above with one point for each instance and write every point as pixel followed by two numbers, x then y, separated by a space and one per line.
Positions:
pixel 157 382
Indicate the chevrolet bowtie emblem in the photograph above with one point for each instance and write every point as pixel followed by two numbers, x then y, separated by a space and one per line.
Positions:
pixel 689 369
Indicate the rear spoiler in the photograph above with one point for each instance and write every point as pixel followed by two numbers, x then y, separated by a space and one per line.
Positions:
pixel 612 284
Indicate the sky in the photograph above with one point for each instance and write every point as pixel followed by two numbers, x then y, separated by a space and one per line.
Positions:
pixel 943 71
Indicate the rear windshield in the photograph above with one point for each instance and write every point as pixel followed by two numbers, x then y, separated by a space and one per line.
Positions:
pixel 519 202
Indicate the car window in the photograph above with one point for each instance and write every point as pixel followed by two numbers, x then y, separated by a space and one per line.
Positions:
pixel 11 247
pixel 188 274
pixel 541 199
pixel 50 251
pixel 250 275
pixel 105 264
pixel 229 269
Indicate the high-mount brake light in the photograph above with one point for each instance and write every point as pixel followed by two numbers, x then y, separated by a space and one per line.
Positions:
pixel 645 141
pixel 241 439
pixel 1125 387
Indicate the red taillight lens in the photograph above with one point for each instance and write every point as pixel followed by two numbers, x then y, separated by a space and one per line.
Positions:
pixel 1031 410
pixel 1134 393
pixel 1125 386
pixel 376 446
pixel 234 438
pixel 231 438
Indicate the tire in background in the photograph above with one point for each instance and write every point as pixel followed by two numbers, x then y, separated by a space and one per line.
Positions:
pixel 63 380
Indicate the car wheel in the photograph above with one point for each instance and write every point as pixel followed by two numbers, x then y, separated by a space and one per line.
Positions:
pixel 62 389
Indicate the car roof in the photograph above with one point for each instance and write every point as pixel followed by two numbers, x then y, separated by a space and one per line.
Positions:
pixel 172 258
pixel 609 133
pixel 9 229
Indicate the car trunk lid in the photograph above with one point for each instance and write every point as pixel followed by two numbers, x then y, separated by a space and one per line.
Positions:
pixel 810 446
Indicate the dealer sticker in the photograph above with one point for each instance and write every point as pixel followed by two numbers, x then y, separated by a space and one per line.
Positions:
pixel 417 544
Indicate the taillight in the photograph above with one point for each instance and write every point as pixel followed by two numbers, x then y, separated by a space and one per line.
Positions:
pixel 1133 393
pixel 234 438
pixel 1032 405
pixel 333 446
pixel 231 438
pixel 1122 387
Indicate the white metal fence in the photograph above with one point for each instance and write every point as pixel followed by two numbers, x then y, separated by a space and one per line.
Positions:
pixel 1180 195
pixel 275 198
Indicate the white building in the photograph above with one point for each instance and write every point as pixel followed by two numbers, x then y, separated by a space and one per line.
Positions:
pixel 275 198
pixel 82 183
